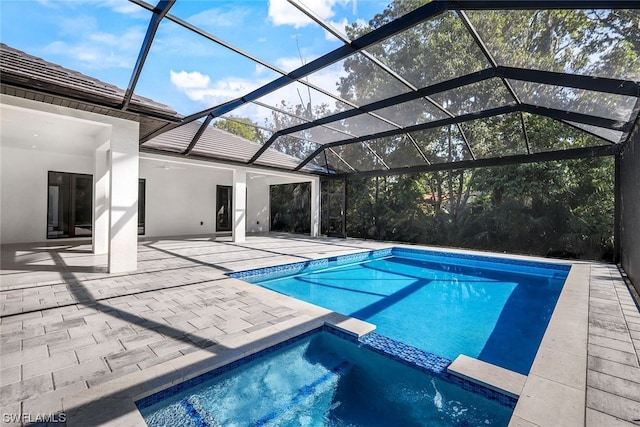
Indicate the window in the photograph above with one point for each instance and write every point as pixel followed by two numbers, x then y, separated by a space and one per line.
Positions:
pixel 141 206
pixel 69 205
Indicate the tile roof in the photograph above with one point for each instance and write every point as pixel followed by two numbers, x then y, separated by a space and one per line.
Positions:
pixel 18 68
pixel 221 145
pixel 30 77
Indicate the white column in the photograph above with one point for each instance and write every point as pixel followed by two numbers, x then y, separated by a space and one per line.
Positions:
pixel 239 205
pixel 315 207
pixel 101 194
pixel 123 198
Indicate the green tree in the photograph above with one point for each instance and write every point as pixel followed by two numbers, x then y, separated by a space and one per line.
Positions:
pixel 532 208
pixel 240 126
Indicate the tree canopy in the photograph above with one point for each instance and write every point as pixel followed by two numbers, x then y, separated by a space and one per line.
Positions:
pixel 553 208
pixel 560 208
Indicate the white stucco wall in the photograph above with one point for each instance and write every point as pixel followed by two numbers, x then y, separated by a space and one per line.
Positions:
pixel 23 197
pixel 179 196
pixel 180 193
pixel 258 215
pixel 258 203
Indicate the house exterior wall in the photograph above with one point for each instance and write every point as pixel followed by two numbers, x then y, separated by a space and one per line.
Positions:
pixel 180 193
pixel 630 208
pixel 180 196
pixel 23 196
pixel 258 214
pixel 258 203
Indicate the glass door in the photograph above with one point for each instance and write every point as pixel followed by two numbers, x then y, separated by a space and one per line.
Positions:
pixel 70 205
pixel 224 196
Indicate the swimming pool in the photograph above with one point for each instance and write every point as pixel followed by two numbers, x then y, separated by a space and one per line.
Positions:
pixel 492 309
pixel 319 379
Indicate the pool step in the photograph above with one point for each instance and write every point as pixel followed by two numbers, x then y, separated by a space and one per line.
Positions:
pixel 303 393
pixel 197 413
pixel 486 374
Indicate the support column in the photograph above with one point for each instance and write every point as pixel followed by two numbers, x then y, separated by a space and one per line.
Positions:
pixel 315 207
pixel 344 206
pixel 239 205
pixel 123 199
pixel 101 194
pixel 617 209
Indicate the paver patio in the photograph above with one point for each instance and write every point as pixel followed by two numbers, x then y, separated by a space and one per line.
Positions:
pixel 67 326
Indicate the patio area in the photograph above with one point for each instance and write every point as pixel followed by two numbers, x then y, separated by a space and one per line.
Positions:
pixel 75 339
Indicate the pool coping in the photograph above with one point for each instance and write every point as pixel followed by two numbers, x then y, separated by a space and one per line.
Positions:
pixel 488 375
pixel 554 392
pixel 554 388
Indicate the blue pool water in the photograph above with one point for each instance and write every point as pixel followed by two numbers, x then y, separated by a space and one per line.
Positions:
pixel 491 309
pixel 321 380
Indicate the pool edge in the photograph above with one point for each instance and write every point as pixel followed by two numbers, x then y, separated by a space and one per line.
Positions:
pixel 554 392
pixel 118 392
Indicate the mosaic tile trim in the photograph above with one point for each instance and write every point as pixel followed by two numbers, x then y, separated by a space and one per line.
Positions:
pixel 498 397
pixel 406 354
pixel 482 258
pixel 361 256
pixel 267 273
pixel 430 363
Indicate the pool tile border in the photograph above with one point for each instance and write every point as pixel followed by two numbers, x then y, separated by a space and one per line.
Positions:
pixel 274 272
pixel 431 363
pixel 486 258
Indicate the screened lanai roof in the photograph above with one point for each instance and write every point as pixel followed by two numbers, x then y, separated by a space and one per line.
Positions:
pixel 421 86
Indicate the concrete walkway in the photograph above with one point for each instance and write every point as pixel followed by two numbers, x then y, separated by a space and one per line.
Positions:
pixel 68 328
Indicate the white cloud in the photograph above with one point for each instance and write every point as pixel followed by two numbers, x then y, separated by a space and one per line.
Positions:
pixel 282 12
pixel 328 77
pixel 118 6
pixel 199 87
pixel 325 78
pixel 338 25
pixel 101 50
pixel 361 22
pixel 260 69
pixel 219 17
pixel 124 7
pixel 289 63
pixel 190 80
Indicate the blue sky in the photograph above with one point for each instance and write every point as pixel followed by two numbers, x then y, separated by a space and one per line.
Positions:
pixel 102 39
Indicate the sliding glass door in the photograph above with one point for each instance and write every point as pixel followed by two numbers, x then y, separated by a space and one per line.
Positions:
pixel 70 205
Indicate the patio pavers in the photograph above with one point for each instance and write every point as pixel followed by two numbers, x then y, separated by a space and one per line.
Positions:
pixel 78 329
pixel 613 375
pixel 72 327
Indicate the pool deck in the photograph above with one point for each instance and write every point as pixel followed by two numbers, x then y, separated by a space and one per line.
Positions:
pixel 85 344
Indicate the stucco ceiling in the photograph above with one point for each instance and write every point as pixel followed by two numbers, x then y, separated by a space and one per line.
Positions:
pixel 36 130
